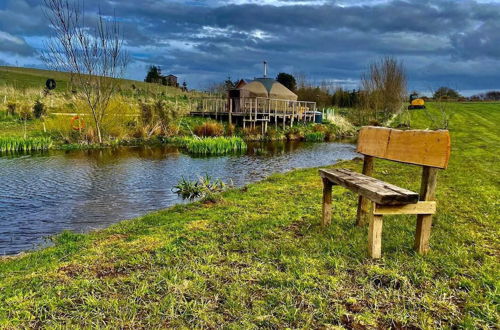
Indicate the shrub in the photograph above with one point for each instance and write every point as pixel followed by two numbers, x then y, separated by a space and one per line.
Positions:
pixel 294 133
pixel 230 129
pixel 11 108
pixel 209 129
pixel 146 113
pixel 253 134
pixel 274 135
pixel 39 109
pixel 166 115
pixel 321 128
pixel 25 112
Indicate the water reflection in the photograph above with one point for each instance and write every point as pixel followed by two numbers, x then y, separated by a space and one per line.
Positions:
pixel 43 194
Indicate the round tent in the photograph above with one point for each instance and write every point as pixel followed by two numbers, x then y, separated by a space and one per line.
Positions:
pixel 268 88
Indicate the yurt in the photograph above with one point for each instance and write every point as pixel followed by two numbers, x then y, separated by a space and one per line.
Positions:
pixel 263 87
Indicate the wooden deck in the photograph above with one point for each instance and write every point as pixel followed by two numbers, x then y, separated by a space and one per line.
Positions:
pixel 253 111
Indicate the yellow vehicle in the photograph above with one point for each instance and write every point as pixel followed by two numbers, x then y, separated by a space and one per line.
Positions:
pixel 416 102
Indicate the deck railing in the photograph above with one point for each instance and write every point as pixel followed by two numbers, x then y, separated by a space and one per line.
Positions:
pixel 252 106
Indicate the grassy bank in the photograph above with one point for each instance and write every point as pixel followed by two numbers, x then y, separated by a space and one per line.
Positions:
pixel 258 257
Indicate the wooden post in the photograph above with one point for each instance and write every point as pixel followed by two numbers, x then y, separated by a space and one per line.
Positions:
pixel 230 112
pixel 284 119
pixel 364 205
pixel 424 221
pixel 275 116
pixel 327 202
pixel 375 236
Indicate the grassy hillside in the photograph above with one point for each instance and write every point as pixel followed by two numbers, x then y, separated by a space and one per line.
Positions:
pixel 258 257
pixel 21 89
pixel 24 78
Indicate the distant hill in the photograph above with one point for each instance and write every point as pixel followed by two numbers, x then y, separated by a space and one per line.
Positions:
pixel 22 78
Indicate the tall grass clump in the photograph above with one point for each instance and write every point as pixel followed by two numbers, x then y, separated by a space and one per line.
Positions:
pixel 214 145
pixel 13 144
pixel 202 187
pixel 315 137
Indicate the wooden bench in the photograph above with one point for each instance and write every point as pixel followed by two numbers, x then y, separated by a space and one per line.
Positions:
pixel 430 149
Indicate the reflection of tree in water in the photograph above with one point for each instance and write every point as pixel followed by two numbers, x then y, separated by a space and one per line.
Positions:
pixel 273 148
pixel 107 156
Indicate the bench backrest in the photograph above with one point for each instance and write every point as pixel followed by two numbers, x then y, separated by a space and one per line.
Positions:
pixel 420 147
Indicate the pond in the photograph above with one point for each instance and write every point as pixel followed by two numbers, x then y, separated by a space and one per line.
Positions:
pixel 44 194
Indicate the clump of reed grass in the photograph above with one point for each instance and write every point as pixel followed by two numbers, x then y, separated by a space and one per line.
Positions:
pixel 16 144
pixel 315 137
pixel 211 145
pixel 204 186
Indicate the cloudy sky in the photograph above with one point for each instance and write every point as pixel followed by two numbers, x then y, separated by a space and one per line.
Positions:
pixel 443 42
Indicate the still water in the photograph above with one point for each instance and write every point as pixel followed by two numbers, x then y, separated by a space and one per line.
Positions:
pixel 44 194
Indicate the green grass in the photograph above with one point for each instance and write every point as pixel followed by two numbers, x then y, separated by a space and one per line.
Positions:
pixel 258 257
pixel 23 78
pixel 10 144
pixel 211 146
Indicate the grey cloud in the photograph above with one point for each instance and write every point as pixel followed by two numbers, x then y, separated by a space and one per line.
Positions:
pixel 438 40
pixel 14 45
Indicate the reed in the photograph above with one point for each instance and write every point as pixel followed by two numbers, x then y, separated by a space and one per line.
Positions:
pixel 16 144
pixel 212 145
pixel 315 137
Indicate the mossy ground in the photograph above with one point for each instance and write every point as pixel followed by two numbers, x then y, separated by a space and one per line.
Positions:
pixel 258 257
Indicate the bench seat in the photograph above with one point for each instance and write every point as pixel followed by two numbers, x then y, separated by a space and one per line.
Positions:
pixel 377 191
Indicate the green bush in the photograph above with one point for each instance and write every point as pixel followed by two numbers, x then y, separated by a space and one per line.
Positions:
pixel 11 108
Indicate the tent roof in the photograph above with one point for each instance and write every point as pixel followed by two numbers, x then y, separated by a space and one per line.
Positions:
pixel 269 88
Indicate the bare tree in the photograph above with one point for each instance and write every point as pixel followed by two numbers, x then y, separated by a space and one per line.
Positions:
pixel 92 53
pixel 383 89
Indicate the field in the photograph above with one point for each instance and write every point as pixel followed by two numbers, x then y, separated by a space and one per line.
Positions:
pixel 27 78
pixel 258 257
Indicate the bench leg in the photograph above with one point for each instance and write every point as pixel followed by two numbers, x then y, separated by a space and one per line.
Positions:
pixel 375 236
pixel 364 213
pixel 423 233
pixel 327 202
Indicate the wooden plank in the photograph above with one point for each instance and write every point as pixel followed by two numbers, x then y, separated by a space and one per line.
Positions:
pixel 419 208
pixel 327 203
pixel 377 191
pixel 363 215
pixel 424 222
pixel 420 147
pixel 375 237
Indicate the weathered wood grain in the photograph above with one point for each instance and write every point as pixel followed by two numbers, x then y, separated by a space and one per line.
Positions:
pixel 363 215
pixel 420 147
pixel 424 221
pixel 375 236
pixel 377 191
pixel 327 203
pixel 419 208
